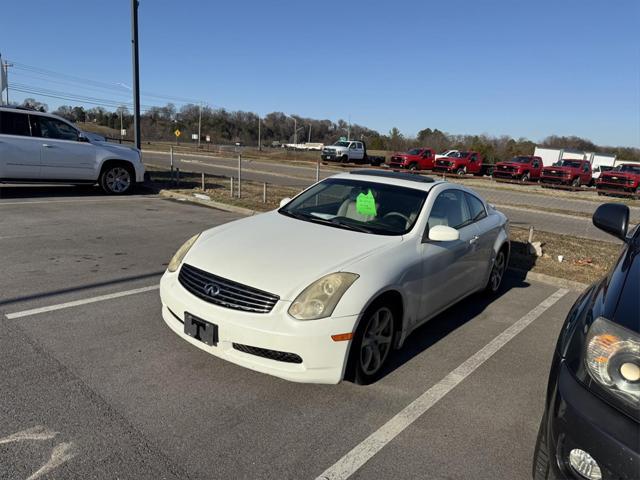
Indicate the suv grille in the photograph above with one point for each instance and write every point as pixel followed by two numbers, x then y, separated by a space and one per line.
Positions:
pixel 443 163
pixel 270 354
pixel 614 179
pixel 226 293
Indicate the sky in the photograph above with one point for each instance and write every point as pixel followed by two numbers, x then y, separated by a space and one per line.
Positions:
pixel 499 67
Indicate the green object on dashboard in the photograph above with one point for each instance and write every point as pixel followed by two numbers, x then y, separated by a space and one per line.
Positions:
pixel 366 204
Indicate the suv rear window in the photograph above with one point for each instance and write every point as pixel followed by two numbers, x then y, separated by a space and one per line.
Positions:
pixel 12 123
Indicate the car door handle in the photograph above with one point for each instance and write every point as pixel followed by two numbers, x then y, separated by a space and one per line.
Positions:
pixel 474 239
pixel 46 145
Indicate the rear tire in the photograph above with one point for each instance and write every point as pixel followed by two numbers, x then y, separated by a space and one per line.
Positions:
pixel 497 272
pixel 117 179
pixel 373 343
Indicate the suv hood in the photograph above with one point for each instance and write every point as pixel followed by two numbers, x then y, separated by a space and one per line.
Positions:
pixel 282 255
pixel 116 148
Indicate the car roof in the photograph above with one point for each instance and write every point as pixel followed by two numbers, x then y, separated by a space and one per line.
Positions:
pixel 409 180
pixel 30 111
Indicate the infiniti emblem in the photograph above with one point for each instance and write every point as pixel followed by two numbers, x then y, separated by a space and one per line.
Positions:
pixel 211 289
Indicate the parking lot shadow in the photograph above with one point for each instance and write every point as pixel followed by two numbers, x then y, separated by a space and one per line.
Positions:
pixel 439 327
pixel 58 191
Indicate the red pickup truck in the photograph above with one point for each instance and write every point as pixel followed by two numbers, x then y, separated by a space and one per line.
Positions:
pixel 568 172
pixel 414 159
pixel 462 163
pixel 523 167
pixel 625 178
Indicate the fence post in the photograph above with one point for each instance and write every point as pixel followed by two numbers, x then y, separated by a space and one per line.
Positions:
pixel 318 170
pixel 239 175
pixel 231 178
pixel 264 192
pixel 531 234
pixel 177 177
pixel 203 181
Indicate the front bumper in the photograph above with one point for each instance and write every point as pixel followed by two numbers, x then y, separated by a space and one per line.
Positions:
pixel 555 180
pixel 323 360
pixel 579 419
pixel 444 169
pixel 622 187
pixel 506 174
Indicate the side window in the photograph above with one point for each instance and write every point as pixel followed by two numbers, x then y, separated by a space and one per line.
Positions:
pixel 535 164
pixel 352 146
pixel 55 129
pixel 12 123
pixel 450 209
pixel 473 157
pixel 476 208
pixel 360 146
pixel 585 167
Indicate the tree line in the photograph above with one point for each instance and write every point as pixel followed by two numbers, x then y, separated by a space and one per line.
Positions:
pixel 228 127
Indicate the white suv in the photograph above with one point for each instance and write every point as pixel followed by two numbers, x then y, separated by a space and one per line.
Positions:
pixel 38 147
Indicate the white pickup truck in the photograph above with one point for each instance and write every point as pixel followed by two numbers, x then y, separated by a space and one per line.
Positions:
pixel 350 151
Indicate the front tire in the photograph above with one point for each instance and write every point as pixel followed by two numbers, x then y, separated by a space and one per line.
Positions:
pixel 576 182
pixel 117 179
pixel 344 159
pixel 462 171
pixel 373 343
pixel 525 178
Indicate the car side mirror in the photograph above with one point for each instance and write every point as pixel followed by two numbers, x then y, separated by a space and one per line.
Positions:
pixel 612 218
pixel 284 201
pixel 82 138
pixel 442 233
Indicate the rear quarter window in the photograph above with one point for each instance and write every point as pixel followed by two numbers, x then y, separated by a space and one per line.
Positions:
pixel 12 123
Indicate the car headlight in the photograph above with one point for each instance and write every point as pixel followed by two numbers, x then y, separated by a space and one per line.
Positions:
pixel 612 357
pixel 180 254
pixel 320 298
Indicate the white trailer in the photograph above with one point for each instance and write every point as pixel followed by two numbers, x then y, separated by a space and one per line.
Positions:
pixel 549 156
pixel 600 162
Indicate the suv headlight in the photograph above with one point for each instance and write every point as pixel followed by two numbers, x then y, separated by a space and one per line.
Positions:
pixel 612 357
pixel 320 298
pixel 180 254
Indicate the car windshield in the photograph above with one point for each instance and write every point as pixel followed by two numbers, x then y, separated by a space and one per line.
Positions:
pixel 341 144
pixel 367 207
pixel 630 168
pixel 571 163
pixel 520 160
pixel 414 151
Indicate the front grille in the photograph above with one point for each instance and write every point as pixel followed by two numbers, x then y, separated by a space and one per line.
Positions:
pixel 616 180
pixel 443 163
pixel 553 173
pixel 270 354
pixel 226 293
pixel 505 168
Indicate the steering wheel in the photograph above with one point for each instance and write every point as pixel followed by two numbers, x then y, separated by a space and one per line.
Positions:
pixel 397 214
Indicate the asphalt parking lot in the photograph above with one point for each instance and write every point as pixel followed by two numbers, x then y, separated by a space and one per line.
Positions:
pixel 95 385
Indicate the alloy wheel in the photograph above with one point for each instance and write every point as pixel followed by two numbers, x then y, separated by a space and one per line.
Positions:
pixel 497 272
pixel 118 180
pixel 376 341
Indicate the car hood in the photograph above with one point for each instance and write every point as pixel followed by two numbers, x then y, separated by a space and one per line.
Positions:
pixel 280 254
pixel 559 169
pixel 627 175
pixel 511 164
pixel 116 148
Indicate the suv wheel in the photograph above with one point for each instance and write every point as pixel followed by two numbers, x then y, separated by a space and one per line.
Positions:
pixel 413 166
pixel 576 182
pixel 344 159
pixel 525 177
pixel 462 171
pixel 117 179
pixel 497 272
pixel 373 343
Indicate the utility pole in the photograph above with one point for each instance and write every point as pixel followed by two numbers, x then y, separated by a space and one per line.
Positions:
pixel 200 125
pixel 259 135
pixel 309 141
pixel 121 136
pixel 6 71
pixel 136 73
pixel 349 129
pixel 295 132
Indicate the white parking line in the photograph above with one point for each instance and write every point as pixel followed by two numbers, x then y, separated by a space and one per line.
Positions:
pixel 81 199
pixel 353 460
pixel 75 303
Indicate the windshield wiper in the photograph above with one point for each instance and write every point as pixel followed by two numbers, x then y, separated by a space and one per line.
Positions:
pixel 324 221
pixel 356 228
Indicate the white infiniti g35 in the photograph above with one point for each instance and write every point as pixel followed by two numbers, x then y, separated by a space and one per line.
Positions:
pixel 325 287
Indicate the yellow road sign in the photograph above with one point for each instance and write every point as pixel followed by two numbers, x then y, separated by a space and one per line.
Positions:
pixel 177 133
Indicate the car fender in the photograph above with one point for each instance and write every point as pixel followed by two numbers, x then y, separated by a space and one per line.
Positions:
pixel 114 158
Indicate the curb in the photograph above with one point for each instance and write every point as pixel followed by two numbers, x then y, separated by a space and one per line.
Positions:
pixel 206 203
pixel 549 280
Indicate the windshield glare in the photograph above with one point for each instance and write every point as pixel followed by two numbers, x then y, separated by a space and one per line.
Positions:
pixel 630 168
pixel 367 207
pixel 341 144
pixel 520 160
pixel 414 151
pixel 571 163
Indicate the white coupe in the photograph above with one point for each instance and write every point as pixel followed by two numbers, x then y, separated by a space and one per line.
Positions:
pixel 324 288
